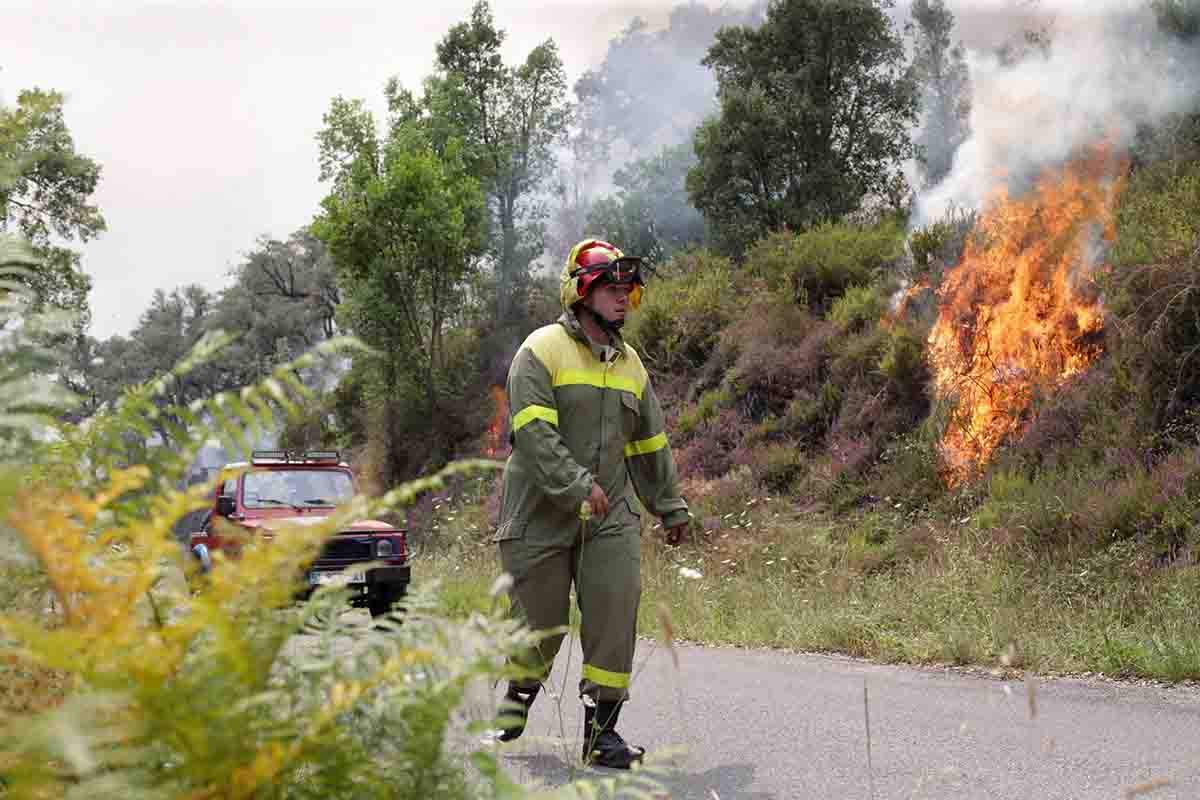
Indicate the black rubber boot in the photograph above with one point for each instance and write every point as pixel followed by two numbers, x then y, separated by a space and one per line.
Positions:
pixel 602 745
pixel 515 706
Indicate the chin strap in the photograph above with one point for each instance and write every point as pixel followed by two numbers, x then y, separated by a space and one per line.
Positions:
pixel 611 327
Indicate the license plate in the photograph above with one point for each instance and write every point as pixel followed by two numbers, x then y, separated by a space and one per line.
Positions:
pixel 336 578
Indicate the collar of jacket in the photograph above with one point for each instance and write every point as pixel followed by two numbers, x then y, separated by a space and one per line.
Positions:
pixel 569 321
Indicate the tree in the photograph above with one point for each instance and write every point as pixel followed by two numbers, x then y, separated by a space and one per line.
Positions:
pixel 509 120
pixel 650 215
pixel 291 287
pixel 406 233
pixel 941 72
pixel 45 196
pixel 816 106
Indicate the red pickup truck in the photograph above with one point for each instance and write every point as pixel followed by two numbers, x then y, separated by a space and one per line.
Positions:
pixel 277 488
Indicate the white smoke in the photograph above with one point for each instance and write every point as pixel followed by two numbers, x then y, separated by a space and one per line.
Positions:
pixel 1106 73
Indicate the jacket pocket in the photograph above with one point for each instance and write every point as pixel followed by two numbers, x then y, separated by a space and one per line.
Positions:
pixel 509 529
pixel 624 516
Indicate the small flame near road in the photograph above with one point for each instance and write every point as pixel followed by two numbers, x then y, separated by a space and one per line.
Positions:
pixel 494 444
pixel 1020 311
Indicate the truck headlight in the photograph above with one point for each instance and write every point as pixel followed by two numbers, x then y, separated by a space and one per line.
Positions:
pixel 384 549
pixel 201 553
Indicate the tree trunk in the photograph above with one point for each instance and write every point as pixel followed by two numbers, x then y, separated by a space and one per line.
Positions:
pixel 506 274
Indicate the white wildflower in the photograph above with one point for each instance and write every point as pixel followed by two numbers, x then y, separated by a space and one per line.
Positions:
pixel 690 574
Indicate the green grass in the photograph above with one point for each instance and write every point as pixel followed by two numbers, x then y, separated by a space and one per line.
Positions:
pixel 843 587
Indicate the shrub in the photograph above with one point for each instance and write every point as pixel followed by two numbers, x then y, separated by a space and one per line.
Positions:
pixel 683 312
pixel 1158 215
pixel 859 308
pixel 1156 311
pixel 940 244
pixel 905 370
pixel 819 265
pixel 779 467
pixel 709 405
pixel 709 453
pixel 773 355
pixel 909 470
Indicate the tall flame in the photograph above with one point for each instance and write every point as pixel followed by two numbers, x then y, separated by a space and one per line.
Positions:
pixel 1019 312
pixel 494 439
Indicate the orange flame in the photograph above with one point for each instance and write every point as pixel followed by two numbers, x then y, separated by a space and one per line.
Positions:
pixel 494 441
pixel 1020 312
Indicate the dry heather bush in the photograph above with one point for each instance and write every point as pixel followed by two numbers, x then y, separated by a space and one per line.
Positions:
pixel 709 452
pixel 779 350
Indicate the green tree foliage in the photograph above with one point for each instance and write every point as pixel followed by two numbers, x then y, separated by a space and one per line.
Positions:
pixel 45 196
pixel 406 229
pixel 509 119
pixel 1178 18
pixel 650 214
pixel 816 108
pixel 281 303
pixel 941 71
pixel 174 324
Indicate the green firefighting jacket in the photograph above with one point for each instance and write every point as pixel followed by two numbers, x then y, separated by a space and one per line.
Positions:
pixel 580 412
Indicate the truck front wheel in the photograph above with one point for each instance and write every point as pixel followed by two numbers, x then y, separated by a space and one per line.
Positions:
pixel 382 599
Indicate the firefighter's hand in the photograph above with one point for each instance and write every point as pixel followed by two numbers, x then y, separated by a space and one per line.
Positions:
pixel 675 535
pixel 598 500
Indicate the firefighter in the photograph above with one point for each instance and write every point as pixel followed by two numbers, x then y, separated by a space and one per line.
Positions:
pixel 587 444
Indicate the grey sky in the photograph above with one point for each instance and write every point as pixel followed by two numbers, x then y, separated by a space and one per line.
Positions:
pixel 203 115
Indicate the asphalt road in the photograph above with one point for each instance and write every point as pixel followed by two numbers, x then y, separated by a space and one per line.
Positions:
pixel 751 725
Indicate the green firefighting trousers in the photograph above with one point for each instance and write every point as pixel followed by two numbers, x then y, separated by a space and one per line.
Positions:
pixel 581 413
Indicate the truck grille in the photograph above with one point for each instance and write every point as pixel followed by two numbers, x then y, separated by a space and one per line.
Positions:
pixel 348 548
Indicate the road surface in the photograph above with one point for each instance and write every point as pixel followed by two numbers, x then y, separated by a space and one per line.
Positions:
pixel 753 725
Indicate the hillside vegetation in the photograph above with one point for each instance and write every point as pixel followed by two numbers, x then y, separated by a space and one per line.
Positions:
pixel 809 437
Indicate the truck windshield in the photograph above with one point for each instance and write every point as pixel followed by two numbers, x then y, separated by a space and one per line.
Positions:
pixel 298 488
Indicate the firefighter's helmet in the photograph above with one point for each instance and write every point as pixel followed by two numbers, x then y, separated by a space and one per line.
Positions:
pixel 594 260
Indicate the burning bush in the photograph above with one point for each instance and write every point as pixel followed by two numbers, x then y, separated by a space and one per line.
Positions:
pixel 1020 311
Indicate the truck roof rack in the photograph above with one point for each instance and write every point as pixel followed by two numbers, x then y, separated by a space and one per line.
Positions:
pixel 295 457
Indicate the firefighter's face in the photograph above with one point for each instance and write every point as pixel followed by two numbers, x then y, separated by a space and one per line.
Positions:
pixel 610 300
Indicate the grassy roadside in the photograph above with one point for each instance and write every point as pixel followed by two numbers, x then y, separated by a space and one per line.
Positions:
pixel 773 579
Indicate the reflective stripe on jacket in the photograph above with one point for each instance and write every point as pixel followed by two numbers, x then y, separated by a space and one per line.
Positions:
pixel 580 412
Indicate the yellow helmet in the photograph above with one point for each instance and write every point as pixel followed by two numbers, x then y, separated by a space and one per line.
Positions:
pixel 593 259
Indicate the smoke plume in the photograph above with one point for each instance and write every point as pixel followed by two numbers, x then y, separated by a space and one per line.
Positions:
pixel 1105 74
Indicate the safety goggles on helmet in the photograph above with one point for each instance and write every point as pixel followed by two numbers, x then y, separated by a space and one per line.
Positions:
pixel 623 271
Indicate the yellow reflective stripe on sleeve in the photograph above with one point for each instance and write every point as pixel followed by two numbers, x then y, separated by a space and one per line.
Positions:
pixel 602 677
pixel 529 413
pixel 644 447
pixel 598 378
